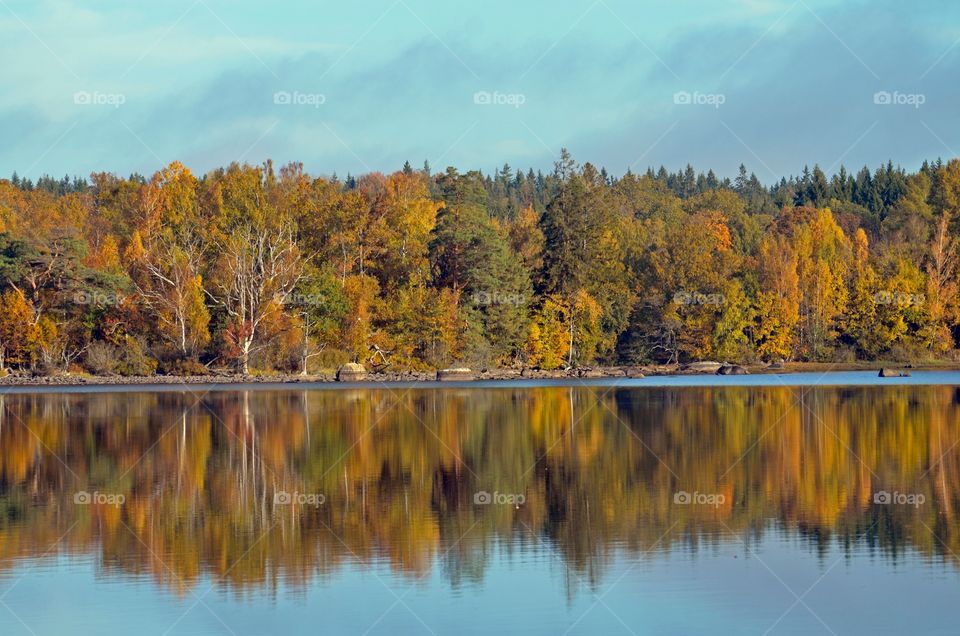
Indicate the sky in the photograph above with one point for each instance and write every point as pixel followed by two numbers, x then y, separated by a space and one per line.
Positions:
pixel 354 87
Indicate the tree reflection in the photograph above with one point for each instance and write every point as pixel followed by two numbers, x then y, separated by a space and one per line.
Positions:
pixel 398 471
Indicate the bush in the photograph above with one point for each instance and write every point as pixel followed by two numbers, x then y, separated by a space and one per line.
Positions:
pixel 843 354
pixel 185 368
pixel 330 359
pixel 135 360
pixel 908 352
pixel 103 358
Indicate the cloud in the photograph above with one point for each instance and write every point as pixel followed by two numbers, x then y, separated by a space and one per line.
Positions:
pixel 797 88
pixel 803 96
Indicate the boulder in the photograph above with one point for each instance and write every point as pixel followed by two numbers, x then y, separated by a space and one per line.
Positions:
pixel 351 372
pixel 455 375
pixel 587 372
pixel 704 366
pixel 893 373
pixel 731 369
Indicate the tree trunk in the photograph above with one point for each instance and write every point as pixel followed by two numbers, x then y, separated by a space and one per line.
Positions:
pixel 306 344
pixel 245 359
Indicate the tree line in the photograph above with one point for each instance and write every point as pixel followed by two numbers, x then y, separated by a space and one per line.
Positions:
pixel 263 269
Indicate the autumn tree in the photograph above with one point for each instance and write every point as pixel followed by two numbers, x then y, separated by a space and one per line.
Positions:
pixel 778 299
pixel 167 266
pixel 19 332
pixel 941 298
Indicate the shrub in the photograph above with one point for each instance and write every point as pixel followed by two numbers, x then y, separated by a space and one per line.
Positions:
pixel 135 360
pixel 185 367
pixel 103 358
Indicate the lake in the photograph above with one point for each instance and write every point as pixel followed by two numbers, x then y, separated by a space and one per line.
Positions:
pixel 795 504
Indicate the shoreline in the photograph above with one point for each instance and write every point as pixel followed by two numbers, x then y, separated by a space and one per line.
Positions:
pixel 485 377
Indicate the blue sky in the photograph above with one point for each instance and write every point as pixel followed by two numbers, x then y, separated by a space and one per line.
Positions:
pixel 354 87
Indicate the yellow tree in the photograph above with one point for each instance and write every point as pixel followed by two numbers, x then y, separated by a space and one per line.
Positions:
pixel 526 238
pixel 778 303
pixel 408 215
pixel 693 272
pixel 19 331
pixel 548 343
pixel 823 265
pixel 361 293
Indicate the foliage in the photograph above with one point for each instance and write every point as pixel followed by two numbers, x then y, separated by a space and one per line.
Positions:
pixel 273 269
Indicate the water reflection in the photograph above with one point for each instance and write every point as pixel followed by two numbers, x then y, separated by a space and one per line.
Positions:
pixel 251 488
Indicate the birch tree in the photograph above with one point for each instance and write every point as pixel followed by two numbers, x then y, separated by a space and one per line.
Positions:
pixel 257 271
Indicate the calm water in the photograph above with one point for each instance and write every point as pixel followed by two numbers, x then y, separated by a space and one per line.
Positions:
pixel 748 508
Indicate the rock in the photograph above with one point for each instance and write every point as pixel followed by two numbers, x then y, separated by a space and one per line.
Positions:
pixel 704 366
pixel 731 369
pixel 660 369
pixel 455 375
pixel 893 373
pixel 590 373
pixel 351 372
pixel 777 364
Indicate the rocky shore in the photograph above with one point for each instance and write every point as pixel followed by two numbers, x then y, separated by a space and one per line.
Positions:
pixel 460 375
pixel 356 373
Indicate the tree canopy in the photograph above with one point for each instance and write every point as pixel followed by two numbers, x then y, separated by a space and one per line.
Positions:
pixel 268 269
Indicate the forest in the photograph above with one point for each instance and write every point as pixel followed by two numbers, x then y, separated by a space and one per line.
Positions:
pixel 259 269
